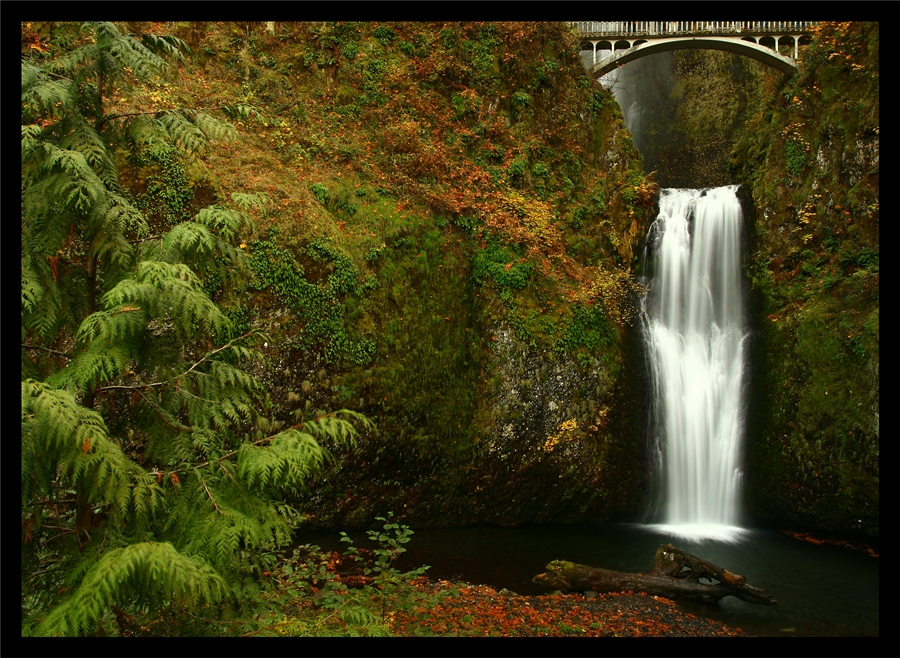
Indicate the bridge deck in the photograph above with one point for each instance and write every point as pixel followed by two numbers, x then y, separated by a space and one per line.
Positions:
pixel 611 29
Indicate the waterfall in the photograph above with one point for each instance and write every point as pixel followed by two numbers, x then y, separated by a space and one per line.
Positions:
pixel 695 329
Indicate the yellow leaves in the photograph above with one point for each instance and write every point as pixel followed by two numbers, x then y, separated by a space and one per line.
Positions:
pixel 565 429
pixel 615 289
pixel 536 216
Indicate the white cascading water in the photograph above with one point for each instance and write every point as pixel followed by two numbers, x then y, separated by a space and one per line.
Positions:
pixel 695 328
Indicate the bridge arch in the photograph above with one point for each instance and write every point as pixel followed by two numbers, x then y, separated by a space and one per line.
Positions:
pixel 736 45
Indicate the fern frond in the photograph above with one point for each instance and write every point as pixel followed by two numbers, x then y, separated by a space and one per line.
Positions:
pixel 146 573
pixel 113 248
pixel 112 327
pixel 57 431
pixel 213 129
pixel 165 45
pixel 75 185
pixel 73 59
pixel 189 239
pixel 187 137
pixel 83 138
pixel 338 427
pixel 181 298
pixel 98 363
pixel 46 315
pixel 127 52
pixel 226 223
pixel 161 274
pixel 129 292
pixel 243 111
pixel 30 143
pixel 288 461
pixel 32 288
pixel 44 97
pixel 148 133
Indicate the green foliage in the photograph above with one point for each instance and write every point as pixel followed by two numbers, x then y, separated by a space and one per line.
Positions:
pixel 517 169
pixel 169 194
pixel 468 223
pixel 590 328
pixel 815 271
pixel 500 265
pixel 139 575
pixel 384 35
pixel 599 100
pixel 319 305
pixel 320 192
pixel 795 157
pixel 304 595
pixel 388 582
pixel 520 100
pixel 143 484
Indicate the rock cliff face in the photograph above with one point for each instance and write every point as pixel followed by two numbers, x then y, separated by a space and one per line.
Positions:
pixel 457 214
pixel 451 217
pixel 810 163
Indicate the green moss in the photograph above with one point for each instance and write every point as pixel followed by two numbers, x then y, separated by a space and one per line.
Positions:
pixel 814 269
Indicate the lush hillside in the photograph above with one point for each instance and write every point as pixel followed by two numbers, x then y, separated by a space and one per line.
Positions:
pixel 810 159
pixel 450 217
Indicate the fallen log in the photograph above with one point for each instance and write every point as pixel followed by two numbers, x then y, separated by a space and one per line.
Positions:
pixel 675 574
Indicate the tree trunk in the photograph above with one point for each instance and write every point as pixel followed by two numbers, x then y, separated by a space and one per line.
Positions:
pixel 675 574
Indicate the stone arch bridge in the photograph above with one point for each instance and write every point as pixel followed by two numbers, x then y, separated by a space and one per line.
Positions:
pixel 607 45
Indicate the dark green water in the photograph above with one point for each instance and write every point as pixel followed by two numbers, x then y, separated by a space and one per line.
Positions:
pixel 822 590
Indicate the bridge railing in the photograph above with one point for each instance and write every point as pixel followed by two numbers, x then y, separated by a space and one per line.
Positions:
pixel 663 28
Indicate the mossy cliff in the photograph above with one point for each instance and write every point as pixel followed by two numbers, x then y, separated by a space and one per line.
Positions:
pixel 450 221
pixel 448 218
pixel 687 109
pixel 809 160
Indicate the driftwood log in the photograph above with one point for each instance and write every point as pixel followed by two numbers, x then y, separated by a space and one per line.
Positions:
pixel 675 574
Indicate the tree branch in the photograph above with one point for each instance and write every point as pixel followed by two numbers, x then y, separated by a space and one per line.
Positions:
pixel 53 502
pixel 152 237
pixel 46 349
pixel 171 109
pixel 209 494
pixel 215 351
pixel 131 388
pixel 162 414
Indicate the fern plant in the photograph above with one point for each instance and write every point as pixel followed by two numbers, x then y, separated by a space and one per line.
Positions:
pixel 144 482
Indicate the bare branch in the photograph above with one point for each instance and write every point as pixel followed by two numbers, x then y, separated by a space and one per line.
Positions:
pixel 215 351
pixel 46 349
pixel 139 240
pixel 162 414
pixel 53 502
pixel 171 109
pixel 131 388
pixel 210 495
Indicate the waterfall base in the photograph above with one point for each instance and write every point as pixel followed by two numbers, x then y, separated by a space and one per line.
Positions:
pixel 700 531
